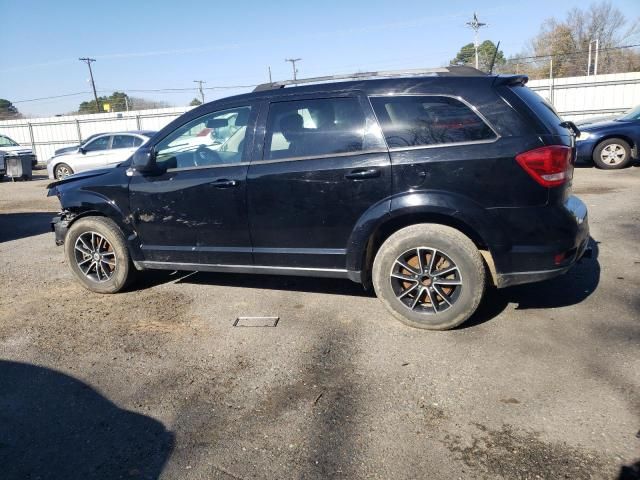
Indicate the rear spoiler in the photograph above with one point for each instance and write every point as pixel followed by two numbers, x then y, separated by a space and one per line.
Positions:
pixel 510 80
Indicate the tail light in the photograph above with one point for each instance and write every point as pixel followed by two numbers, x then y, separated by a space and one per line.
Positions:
pixel 550 166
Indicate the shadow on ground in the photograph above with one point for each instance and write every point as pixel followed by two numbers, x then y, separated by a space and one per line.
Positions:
pixel 565 290
pixel 54 426
pixel 14 226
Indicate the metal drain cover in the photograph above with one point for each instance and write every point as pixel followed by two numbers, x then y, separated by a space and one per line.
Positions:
pixel 256 322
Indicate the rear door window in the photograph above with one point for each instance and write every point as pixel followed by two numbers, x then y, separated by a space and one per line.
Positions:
pixel 429 120
pixel 123 141
pixel 100 143
pixel 316 127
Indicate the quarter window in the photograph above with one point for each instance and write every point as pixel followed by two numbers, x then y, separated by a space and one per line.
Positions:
pixel 213 139
pixel 411 121
pixel 317 127
pixel 100 143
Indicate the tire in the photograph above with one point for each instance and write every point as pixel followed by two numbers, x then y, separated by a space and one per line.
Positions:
pixel 62 170
pixel 466 282
pixel 612 154
pixel 114 270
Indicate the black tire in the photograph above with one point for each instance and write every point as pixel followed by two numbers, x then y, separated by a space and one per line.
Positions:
pixel 450 246
pixel 121 273
pixel 58 172
pixel 612 154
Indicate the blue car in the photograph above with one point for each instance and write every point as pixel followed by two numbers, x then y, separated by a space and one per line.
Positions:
pixel 611 144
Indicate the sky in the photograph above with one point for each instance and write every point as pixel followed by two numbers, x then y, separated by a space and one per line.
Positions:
pixel 141 47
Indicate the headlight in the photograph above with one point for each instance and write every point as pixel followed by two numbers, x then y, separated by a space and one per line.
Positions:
pixel 583 136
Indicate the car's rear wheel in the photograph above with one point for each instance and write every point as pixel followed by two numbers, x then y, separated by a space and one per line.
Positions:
pixel 62 171
pixel 612 154
pixel 97 255
pixel 429 276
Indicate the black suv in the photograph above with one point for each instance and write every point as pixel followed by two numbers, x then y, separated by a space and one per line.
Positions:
pixel 427 187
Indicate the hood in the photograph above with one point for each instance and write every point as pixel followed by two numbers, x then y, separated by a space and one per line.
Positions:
pixel 600 125
pixel 80 176
pixel 16 150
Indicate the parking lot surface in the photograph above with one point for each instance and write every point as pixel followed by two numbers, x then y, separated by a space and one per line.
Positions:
pixel 543 382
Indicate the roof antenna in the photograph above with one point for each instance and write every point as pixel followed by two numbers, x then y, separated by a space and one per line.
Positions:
pixel 493 60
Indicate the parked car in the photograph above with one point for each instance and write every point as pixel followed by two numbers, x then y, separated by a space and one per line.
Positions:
pixel 426 188
pixel 10 148
pixel 105 150
pixel 74 148
pixel 611 144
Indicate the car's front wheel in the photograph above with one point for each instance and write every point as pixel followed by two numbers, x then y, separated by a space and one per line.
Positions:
pixel 62 171
pixel 97 254
pixel 429 276
pixel 612 154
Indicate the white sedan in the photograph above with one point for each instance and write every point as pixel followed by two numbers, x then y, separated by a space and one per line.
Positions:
pixel 106 150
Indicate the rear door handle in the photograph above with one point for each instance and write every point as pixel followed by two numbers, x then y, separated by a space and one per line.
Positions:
pixel 225 183
pixel 362 173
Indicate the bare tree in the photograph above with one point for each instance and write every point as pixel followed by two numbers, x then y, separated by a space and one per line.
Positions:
pixel 567 41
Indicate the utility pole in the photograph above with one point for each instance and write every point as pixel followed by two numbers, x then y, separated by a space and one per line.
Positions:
pixel 269 67
pixel 89 61
pixel 476 25
pixel 595 66
pixel 200 82
pixel 293 65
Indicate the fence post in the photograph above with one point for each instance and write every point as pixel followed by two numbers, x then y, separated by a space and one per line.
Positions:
pixel 33 142
pixel 79 132
pixel 138 124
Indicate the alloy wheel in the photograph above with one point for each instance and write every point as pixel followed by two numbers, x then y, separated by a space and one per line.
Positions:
pixel 95 257
pixel 426 280
pixel 613 154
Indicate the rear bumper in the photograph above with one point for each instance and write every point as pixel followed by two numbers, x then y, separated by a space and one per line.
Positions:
pixel 534 263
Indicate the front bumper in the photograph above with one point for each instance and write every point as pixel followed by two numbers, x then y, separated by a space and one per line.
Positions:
pixel 60 226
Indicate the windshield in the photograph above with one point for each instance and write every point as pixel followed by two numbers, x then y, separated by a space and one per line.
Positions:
pixel 633 114
pixel 7 142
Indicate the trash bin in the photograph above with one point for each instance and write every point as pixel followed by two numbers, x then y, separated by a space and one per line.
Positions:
pixel 18 167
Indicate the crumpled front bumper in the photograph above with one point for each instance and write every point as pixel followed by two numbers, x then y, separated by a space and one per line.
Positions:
pixel 60 226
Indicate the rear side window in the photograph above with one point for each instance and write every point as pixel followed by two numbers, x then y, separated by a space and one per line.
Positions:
pixel 308 128
pixel 541 108
pixel 123 141
pixel 414 121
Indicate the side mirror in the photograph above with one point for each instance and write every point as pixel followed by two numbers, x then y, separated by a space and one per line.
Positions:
pixel 82 150
pixel 144 159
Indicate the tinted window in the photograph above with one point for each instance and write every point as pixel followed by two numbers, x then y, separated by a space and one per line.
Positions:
pixel 123 141
pixel 216 138
pixel 542 109
pixel 137 141
pixel 314 127
pixel 101 143
pixel 410 121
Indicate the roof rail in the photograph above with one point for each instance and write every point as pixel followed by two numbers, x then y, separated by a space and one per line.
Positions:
pixel 451 71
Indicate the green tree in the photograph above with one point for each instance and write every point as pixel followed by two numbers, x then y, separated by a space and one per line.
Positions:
pixel 486 50
pixel 118 102
pixel 195 102
pixel 8 110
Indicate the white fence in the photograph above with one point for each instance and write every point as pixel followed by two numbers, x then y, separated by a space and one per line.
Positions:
pixel 574 98
pixel 581 97
pixel 47 134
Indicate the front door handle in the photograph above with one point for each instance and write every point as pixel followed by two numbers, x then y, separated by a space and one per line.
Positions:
pixel 224 183
pixel 362 173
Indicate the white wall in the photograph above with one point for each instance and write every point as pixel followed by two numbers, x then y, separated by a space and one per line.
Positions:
pixel 582 97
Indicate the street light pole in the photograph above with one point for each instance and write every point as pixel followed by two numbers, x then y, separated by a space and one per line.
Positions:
pixel 200 82
pixel 293 65
pixel 89 61
pixel 476 25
